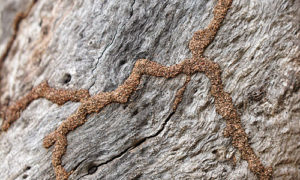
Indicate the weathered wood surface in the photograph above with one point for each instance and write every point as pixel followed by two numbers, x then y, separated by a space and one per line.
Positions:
pixel 94 44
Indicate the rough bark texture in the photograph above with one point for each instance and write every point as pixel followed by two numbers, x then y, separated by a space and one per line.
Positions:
pixel 94 45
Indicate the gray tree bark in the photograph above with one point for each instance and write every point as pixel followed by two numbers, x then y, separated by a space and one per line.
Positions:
pixel 94 45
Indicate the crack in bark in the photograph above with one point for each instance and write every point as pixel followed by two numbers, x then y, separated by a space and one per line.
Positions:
pixel 78 165
pixel 107 47
pixel 137 143
pixel 131 9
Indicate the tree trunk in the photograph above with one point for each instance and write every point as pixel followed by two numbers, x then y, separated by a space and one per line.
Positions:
pixel 94 45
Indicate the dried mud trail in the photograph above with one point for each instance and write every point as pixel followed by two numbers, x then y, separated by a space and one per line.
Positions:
pixel 197 64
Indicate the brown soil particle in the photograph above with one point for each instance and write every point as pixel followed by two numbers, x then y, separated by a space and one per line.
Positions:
pixel 198 64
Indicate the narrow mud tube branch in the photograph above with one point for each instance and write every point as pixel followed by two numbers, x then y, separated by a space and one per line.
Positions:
pixel 15 26
pixel 60 96
pixel 226 109
pixel 204 37
pixel 180 92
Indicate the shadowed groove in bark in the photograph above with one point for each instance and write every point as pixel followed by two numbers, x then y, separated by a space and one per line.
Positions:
pixel 198 64
pixel 136 143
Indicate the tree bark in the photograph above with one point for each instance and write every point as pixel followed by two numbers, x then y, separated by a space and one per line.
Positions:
pixel 94 45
